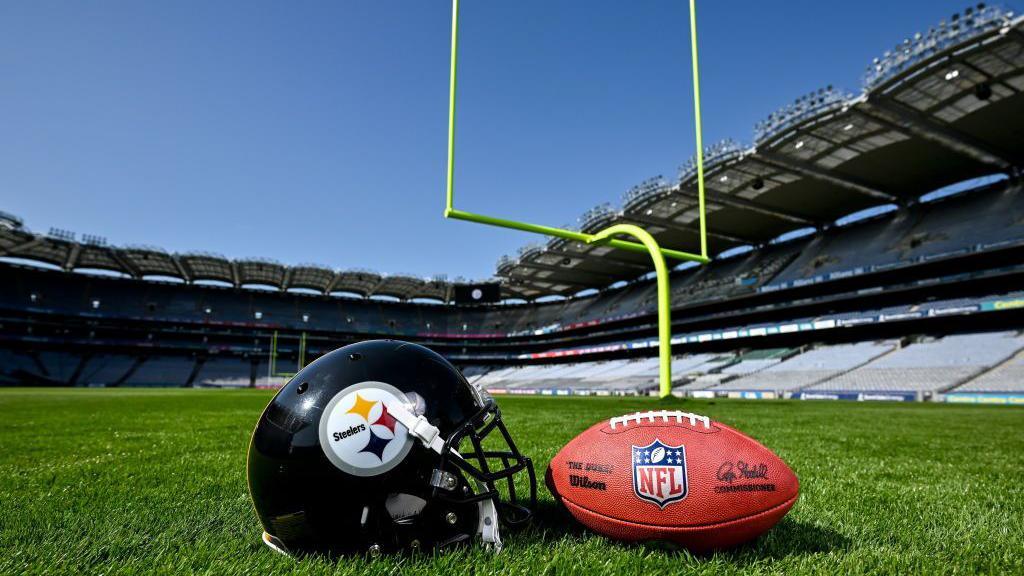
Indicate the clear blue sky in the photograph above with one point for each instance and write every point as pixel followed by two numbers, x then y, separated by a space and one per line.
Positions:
pixel 315 131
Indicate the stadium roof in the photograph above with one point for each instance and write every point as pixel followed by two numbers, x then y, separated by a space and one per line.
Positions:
pixel 940 108
pixel 62 250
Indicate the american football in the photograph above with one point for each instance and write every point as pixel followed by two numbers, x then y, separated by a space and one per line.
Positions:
pixel 672 476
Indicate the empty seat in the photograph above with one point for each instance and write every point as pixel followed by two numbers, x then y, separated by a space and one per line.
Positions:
pixel 928 366
pixel 810 367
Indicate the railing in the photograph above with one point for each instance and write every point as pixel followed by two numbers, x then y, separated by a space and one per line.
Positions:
pixel 312 266
pixel 596 214
pixel 146 248
pixel 357 271
pixel 713 154
pixel 800 110
pixel 506 262
pixel 264 261
pixel 204 255
pixel 644 190
pixel 530 250
pixel 974 21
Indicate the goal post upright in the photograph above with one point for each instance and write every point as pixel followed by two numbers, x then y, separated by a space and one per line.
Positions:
pixel 664 298
pixel 300 361
pixel 646 244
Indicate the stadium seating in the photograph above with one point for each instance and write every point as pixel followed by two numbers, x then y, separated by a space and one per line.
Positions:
pixel 1006 377
pixel 905 236
pixel 163 371
pixel 810 368
pixel 849 248
pixel 949 225
pixel 246 317
pixel 225 373
pixel 18 367
pixel 705 372
pixel 106 370
pixel 757 361
pixel 928 366
pixel 60 366
pixel 609 376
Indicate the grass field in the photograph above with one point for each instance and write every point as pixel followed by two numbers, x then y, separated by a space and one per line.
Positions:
pixel 153 481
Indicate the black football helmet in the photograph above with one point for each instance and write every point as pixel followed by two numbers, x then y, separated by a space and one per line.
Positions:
pixel 379 447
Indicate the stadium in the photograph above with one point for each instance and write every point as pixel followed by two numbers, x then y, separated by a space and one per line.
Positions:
pixel 861 240
pixel 868 250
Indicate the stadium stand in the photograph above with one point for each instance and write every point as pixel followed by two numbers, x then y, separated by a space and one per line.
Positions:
pixel 941 227
pixel 928 366
pixel 60 366
pixel 163 371
pixel 225 373
pixel 757 361
pixel 17 367
pixel 694 365
pixel 794 268
pixel 951 225
pixel 619 376
pixel 1006 377
pixel 106 370
pixel 811 367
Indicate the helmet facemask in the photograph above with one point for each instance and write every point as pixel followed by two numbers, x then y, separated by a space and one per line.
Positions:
pixel 463 460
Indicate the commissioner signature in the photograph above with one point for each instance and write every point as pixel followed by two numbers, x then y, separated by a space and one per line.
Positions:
pixel 730 472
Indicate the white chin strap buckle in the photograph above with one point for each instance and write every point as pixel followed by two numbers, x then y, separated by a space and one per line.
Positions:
pixel 488 527
pixel 418 427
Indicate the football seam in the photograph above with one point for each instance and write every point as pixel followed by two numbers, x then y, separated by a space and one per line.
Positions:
pixel 788 502
pixel 714 429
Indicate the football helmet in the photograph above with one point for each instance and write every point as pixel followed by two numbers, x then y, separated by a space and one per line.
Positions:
pixel 378 447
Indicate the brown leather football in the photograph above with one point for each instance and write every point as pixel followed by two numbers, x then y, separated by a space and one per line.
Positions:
pixel 672 476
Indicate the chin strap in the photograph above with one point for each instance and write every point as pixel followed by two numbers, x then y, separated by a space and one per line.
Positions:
pixel 488 526
pixel 418 427
pixel 430 437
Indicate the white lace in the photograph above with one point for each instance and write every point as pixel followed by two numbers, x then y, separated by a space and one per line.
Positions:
pixel 665 416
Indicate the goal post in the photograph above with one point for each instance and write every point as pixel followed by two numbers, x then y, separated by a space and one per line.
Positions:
pixel 300 361
pixel 645 244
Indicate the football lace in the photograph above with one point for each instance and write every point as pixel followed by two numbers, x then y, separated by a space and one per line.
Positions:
pixel 665 415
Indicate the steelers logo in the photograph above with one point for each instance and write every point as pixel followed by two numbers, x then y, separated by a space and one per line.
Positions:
pixel 358 433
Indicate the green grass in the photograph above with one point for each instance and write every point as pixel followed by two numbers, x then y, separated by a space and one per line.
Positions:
pixel 153 481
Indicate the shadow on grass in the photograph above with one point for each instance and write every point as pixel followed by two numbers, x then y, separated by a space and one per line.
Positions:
pixel 790 538
pixel 786 539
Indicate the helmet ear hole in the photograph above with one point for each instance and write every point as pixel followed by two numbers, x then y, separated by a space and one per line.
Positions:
pixel 302 387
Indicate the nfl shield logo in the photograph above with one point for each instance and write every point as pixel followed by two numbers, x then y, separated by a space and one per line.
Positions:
pixel 659 473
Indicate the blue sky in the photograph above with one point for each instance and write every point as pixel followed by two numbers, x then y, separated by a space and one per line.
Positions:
pixel 315 131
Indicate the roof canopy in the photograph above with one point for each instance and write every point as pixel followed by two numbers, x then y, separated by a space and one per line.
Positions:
pixel 942 108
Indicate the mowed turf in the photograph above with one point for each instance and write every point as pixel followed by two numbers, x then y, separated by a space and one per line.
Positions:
pixel 153 481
